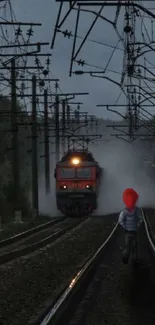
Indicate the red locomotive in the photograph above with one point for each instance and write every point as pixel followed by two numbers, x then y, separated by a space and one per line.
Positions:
pixel 77 183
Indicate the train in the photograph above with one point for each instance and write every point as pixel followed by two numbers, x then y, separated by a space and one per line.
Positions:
pixel 78 178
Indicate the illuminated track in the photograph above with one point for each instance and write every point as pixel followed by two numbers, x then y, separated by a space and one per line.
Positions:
pixel 56 311
pixel 149 236
pixel 74 293
pixel 37 239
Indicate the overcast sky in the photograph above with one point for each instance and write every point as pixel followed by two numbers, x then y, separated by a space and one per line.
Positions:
pixel 101 91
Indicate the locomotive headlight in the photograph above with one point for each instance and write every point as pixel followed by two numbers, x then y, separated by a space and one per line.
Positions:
pixel 89 187
pixel 75 161
pixel 64 186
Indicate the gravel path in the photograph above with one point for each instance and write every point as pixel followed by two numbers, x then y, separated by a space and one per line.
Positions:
pixel 118 295
pixel 28 284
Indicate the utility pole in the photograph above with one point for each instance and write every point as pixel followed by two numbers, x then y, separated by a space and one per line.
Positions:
pixel 68 115
pixel 78 119
pixel 86 123
pixel 57 117
pixel 35 200
pixel 57 129
pixel 57 125
pixel 63 126
pixel 68 124
pixel 15 143
pixel 46 140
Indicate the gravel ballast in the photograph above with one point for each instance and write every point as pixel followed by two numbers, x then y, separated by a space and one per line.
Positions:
pixel 28 284
pixel 13 229
pixel 119 294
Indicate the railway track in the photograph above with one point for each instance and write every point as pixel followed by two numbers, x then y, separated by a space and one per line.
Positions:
pixel 36 238
pixel 27 233
pixel 106 291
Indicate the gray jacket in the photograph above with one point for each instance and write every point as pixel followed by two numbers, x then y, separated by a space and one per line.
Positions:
pixel 130 221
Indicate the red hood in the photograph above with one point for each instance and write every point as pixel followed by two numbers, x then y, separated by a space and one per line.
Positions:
pixel 130 197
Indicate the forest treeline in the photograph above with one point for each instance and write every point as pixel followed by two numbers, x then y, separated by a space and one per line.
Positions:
pixel 6 153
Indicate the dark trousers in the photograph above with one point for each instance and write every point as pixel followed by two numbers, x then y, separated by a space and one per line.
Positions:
pixel 130 245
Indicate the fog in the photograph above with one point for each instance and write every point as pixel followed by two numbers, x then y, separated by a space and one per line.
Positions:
pixel 47 203
pixel 123 166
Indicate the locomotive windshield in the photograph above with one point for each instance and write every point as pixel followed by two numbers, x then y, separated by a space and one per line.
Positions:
pixel 83 172
pixel 67 173
pixel 75 173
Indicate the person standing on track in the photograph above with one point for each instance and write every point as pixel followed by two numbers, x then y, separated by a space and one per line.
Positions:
pixel 130 219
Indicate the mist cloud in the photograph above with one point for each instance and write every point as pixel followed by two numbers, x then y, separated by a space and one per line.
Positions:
pixel 123 166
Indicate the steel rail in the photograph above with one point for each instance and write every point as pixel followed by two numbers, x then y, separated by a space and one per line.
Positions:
pixel 25 234
pixel 27 249
pixel 152 245
pixel 58 308
pixel 56 311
